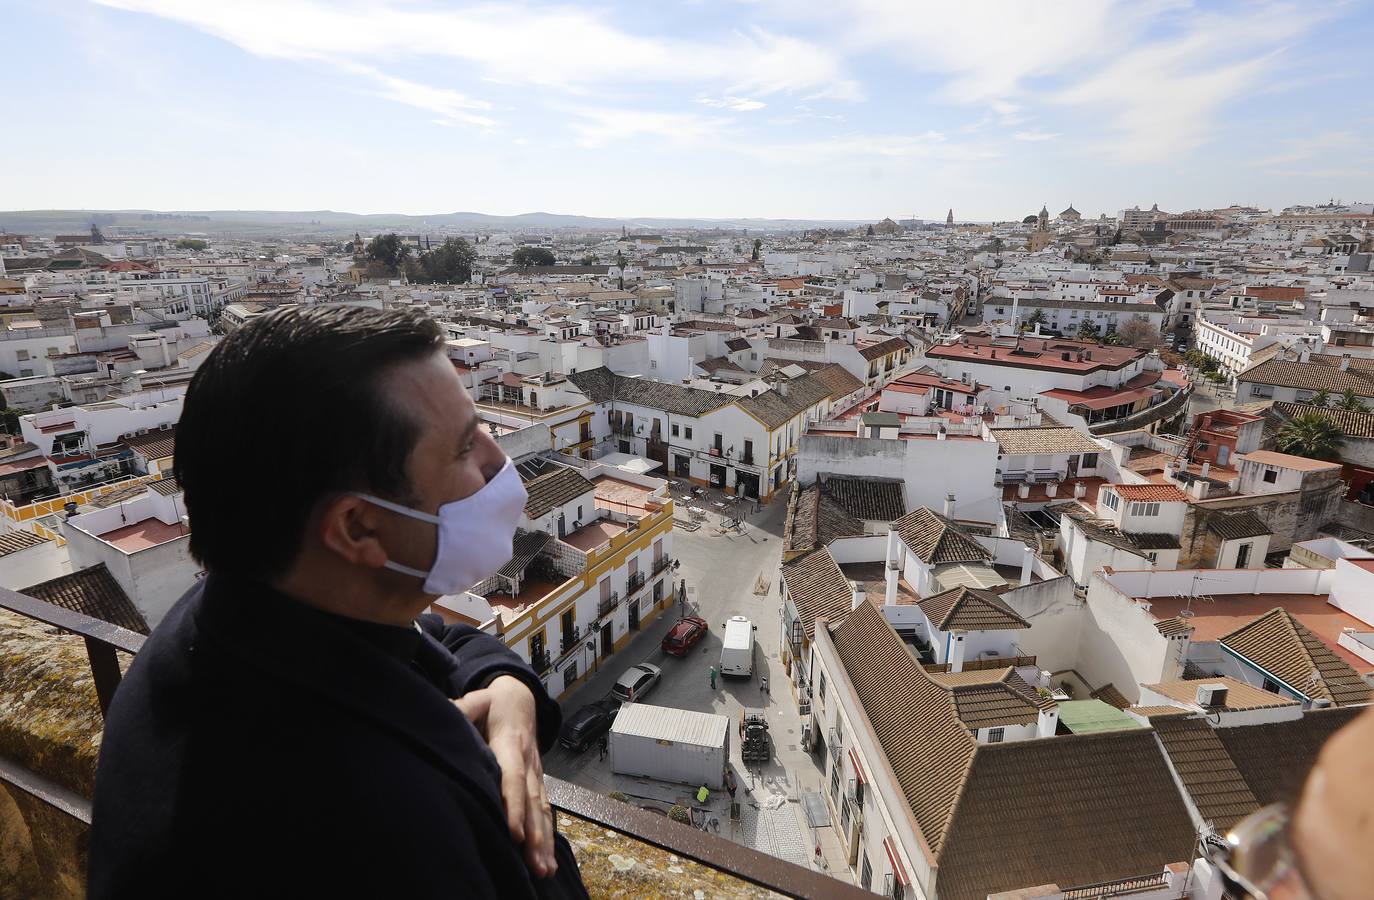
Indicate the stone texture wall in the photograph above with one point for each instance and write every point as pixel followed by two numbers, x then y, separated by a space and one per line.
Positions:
pixel 50 723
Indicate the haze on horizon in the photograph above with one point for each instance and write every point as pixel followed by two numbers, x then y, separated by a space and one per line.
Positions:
pixel 757 108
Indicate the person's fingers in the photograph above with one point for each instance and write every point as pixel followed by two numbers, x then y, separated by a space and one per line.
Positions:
pixel 513 789
pixel 539 847
pixel 475 706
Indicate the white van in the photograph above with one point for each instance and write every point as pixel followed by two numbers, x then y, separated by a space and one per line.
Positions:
pixel 737 649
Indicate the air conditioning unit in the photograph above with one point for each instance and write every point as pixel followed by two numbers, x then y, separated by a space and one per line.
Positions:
pixel 1212 696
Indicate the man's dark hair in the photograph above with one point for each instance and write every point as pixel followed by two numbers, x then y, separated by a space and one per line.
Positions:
pixel 285 412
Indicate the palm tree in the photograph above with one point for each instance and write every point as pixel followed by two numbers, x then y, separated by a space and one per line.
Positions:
pixel 1350 402
pixel 1320 398
pixel 1311 435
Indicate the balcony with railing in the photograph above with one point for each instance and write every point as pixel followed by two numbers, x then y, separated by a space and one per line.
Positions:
pixel 634 583
pixel 47 768
pixel 832 741
pixel 570 642
pixel 662 563
pixel 606 604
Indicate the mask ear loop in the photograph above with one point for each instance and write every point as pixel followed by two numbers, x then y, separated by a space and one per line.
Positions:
pixel 405 511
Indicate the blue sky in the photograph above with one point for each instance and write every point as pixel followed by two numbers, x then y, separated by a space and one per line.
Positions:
pixel 780 108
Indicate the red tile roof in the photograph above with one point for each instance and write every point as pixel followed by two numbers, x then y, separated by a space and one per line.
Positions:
pixel 1154 493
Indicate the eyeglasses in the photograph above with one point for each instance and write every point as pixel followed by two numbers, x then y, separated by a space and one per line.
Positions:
pixel 1257 859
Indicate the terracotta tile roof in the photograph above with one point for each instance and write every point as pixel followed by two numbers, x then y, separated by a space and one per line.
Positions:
pixel 166 486
pixel 884 348
pixel 969 609
pixel 1173 626
pixel 777 406
pixel 93 592
pixel 1210 775
pixel 1274 758
pixel 1061 439
pixel 601 384
pixel 555 488
pixel 814 520
pixel 875 499
pixel 1320 373
pixel 1109 694
pixel 120 495
pixel 155 444
pixel 1284 647
pixel 1352 424
pixel 935 539
pixel 993 705
pixel 817 587
pixel 1237 526
pixel 1240 696
pixel 1079 783
pixel 913 718
pixel 14 541
pixel 1152 493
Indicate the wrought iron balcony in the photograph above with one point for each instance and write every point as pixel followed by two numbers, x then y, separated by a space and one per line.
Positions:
pixel 570 642
pixel 836 748
pixel 589 819
pixel 604 607
pixel 634 583
pixel 662 563
pixel 540 662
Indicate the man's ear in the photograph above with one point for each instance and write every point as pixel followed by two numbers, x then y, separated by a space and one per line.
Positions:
pixel 347 527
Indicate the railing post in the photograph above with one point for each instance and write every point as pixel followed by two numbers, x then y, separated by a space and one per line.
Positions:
pixel 105 670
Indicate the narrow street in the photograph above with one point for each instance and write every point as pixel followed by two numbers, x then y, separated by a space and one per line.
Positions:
pixel 722 569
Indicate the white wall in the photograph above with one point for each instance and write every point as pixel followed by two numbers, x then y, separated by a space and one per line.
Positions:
pixel 1352 590
pixel 1121 646
pixel 33 565
pixel 1056 618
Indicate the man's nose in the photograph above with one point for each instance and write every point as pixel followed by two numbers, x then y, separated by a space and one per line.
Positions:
pixel 493 457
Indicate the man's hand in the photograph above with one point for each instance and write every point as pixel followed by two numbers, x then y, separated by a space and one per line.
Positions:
pixel 503 712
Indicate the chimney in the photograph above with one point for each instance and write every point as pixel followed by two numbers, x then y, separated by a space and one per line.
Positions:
pixel 1206 467
pixel 949 505
pixel 1023 490
pixel 1345 361
pixel 1079 490
pixel 1305 355
pixel 858 595
pixel 1026 557
pixel 1051 489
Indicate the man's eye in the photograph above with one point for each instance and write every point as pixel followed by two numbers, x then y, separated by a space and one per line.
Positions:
pixel 467 451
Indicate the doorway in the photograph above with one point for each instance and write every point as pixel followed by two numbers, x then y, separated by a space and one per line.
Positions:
pixel 607 639
pixel 634 615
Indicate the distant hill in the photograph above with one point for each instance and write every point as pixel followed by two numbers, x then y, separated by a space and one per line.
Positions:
pixel 268 223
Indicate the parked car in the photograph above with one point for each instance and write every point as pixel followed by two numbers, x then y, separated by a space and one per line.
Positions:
pixel 636 682
pixel 588 724
pixel 683 636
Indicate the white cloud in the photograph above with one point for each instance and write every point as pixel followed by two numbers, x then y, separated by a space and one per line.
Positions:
pixel 1034 136
pixel 452 107
pixel 735 104
pixel 560 47
pixel 601 127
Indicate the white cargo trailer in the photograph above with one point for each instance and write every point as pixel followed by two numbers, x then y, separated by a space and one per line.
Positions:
pixel 737 647
pixel 670 744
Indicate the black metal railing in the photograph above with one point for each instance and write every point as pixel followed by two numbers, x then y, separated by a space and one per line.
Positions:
pixel 604 607
pixel 662 563
pixel 634 583
pixel 540 662
pixel 570 642
pixel 103 640
pixel 833 740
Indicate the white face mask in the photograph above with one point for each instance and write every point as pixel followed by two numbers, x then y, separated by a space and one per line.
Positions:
pixel 475 533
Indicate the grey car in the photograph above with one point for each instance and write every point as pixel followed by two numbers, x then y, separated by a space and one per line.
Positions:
pixel 637 681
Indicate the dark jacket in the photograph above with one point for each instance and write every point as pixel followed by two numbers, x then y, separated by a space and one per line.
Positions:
pixel 260 747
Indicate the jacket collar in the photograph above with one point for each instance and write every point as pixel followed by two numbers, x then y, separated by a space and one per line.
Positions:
pixel 261 628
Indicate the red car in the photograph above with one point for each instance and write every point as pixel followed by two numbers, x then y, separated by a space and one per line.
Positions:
pixel 684 636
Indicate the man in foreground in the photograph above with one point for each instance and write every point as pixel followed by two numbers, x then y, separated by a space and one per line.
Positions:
pixel 295 726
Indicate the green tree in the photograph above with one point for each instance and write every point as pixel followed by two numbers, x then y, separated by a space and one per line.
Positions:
pixel 758 243
pixel 388 251
pixel 1111 338
pixel 589 260
pixel 9 419
pixel 1351 402
pixel 620 260
pixel 1089 329
pixel 1035 318
pixel 1311 435
pixel 1320 398
pixel 191 244
pixel 449 263
pixel 524 257
pixel 679 813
